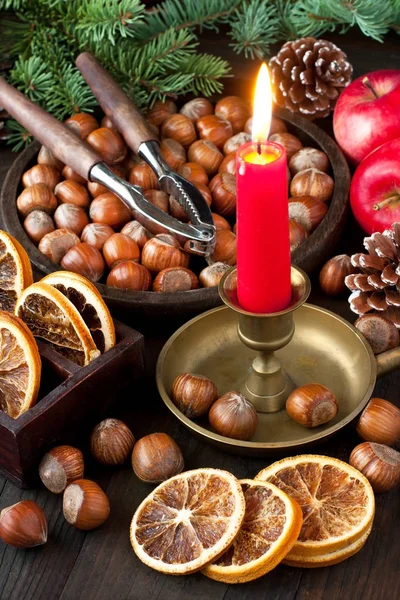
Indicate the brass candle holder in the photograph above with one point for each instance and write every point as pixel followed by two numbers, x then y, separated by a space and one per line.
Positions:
pixel 267 386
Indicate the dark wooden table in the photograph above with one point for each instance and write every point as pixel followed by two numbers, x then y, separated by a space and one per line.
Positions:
pixel 101 564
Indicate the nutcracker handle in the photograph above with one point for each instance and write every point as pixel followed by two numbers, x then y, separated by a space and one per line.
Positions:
pixel 56 136
pixel 115 103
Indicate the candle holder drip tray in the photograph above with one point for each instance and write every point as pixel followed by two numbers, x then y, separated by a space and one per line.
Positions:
pixel 324 349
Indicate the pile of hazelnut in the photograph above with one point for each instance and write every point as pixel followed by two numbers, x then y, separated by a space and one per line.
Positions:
pixel 89 230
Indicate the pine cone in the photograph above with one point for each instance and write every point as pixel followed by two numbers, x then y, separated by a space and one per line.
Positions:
pixel 376 287
pixel 308 76
pixel 4 131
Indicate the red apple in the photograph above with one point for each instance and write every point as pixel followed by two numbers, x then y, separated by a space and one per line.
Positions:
pixel 367 114
pixel 375 188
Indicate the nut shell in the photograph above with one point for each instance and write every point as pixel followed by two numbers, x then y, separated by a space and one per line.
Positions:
pixel 129 275
pixel 108 209
pixel 56 244
pixel 36 197
pixel 173 152
pixel 312 405
pixel 72 192
pixel 96 234
pixel 307 211
pixel 193 394
pixel 156 457
pixel 85 260
pixel 158 254
pixel 333 274
pixel 61 466
pixel 312 182
pixel 179 128
pixel 23 525
pixel 136 232
pixel 225 247
pixel 144 176
pixel 194 172
pixel 111 442
pixel 206 154
pixel 308 158
pixel 223 190
pixel 290 142
pixel 82 124
pixel 380 422
pixel 161 111
pixel 85 505
pixel 214 129
pixel 213 274
pixel 46 174
pixel 37 224
pixel 235 110
pixel 381 333
pixel 175 279
pixel 109 144
pixel 380 465
pixel 69 216
pixel 120 247
pixel 233 416
pixel 197 108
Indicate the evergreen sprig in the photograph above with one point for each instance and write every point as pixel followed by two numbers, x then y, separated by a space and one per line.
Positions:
pixel 153 53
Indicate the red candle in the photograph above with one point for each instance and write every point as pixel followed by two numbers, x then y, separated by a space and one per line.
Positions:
pixel 263 248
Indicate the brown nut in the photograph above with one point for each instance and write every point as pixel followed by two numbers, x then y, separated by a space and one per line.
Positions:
pixel 312 405
pixel 120 247
pixel 57 243
pixel 96 234
pixel 197 108
pixel 179 128
pixel 308 211
pixel 136 232
pixel 220 222
pixel 158 198
pixel 23 525
pixel 175 279
pixel 69 173
pixel 206 154
pixel 61 466
pixel 308 158
pixel 85 260
pixel 312 182
pixel 176 210
pixel 234 143
pixel 108 209
pixel 233 416
pixel 214 129
pixel 228 165
pixel 194 172
pixel 297 234
pixel 205 192
pixel 379 464
pixel 158 254
pixel 111 442
pixel 193 394
pixel 37 224
pixel 277 126
pixel 173 152
pixel 46 174
pixel 85 505
pixel 235 110
pixel 82 124
pixel 212 274
pixel 129 275
pixel 69 216
pixel 46 157
pixel 156 457
pixel 144 176
pixel 333 274
pixel 96 189
pixel 381 333
pixel 223 190
pixel 109 144
pixel 72 192
pixel 36 197
pixel 380 422
pixel 161 111
pixel 225 247
pixel 290 142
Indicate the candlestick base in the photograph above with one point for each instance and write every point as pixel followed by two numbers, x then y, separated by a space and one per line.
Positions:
pixel 267 385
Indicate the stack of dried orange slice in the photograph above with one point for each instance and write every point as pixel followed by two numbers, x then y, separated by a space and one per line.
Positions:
pixel 15 271
pixel 66 310
pixel 338 507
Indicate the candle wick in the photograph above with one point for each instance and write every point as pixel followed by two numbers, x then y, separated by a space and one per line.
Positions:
pixel 259 147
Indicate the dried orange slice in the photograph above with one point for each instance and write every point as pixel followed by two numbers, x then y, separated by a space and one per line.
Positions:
pixel 51 316
pixel 337 501
pixel 20 366
pixel 15 271
pixel 89 303
pixel 326 560
pixel 271 526
pixel 188 521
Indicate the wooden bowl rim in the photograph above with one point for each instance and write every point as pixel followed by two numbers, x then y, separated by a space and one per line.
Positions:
pixel 314 249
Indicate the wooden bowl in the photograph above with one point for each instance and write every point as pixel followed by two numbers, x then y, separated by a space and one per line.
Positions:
pixel 308 256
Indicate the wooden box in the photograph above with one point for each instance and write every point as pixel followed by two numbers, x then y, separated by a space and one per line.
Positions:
pixel 71 401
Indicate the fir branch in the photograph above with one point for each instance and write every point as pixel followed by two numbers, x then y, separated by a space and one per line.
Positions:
pixel 254 28
pixel 207 71
pixel 20 138
pixel 32 77
pixel 109 20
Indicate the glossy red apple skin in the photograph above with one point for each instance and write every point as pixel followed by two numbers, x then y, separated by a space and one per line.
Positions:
pixel 362 122
pixel 376 179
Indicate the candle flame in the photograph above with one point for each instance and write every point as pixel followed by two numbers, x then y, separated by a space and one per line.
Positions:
pixel 262 109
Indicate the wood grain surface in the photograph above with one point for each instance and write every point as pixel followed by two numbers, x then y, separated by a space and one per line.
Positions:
pixel 101 565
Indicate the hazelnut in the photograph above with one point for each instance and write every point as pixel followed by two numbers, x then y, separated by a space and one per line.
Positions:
pixel 36 197
pixel 290 142
pixel 57 243
pixel 46 174
pixel 297 234
pixel 136 232
pixel 173 152
pixel 220 222
pixel 380 422
pixel 109 144
pixel 175 279
pixel 206 154
pixel 225 247
pixel 111 442
pixel 72 192
pixel 197 108
pixel 108 209
pixel 161 111
pixel 312 405
pixel 228 165
pixel 381 334
pixel 234 143
pixel 214 129
pixel 120 247
pixel 193 394
pixel 194 172
pixel 158 254
pixel 82 124
pixel 223 190
pixel 37 224
pixel 179 128
pixel 69 216
pixel 128 275
pixel 312 182
pixel 212 275
pixel 333 274
pixel 46 157
pixel 233 416
pixel 85 505
pixel 23 525
pixel 308 158
pixel 143 175
pixel 96 234
pixel 307 211
pixel 61 466
pixel 85 260
pixel 156 457
pixel 235 110
pixel 379 464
